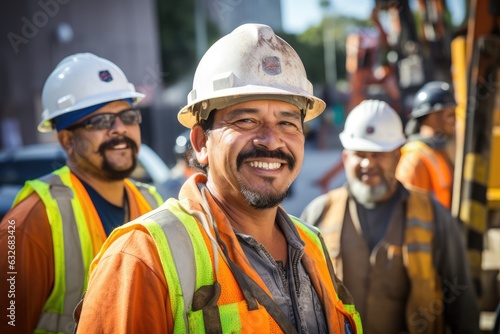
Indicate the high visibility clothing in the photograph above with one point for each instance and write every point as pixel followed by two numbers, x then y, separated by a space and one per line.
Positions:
pixel 404 283
pixel 201 264
pixel 76 235
pixel 424 168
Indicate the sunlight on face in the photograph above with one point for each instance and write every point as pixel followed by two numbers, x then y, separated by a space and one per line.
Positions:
pixel 256 149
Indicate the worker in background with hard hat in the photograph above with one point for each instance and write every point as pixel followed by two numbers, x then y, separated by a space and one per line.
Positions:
pixel 397 250
pixel 60 221
pixel 425 162
pixel 226 257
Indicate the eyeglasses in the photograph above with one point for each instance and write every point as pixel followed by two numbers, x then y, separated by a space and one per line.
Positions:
pixel 106 121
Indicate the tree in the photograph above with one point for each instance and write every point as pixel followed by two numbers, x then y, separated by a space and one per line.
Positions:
pixel 309 45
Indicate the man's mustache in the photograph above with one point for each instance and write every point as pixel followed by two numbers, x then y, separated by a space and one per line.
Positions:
pixel 262 153
pixel 109 144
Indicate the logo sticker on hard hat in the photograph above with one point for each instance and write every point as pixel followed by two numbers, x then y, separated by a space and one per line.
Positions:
pixel 271 65
pixel 105 76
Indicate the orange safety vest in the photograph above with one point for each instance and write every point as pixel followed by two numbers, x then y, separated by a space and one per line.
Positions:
pixel 424 168
pixel 71 213
pixel 208 293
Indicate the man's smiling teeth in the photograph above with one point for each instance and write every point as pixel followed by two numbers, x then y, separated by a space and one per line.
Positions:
pixel 120 146
pixel 265 165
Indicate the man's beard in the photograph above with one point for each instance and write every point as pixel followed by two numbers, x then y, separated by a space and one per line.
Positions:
pixel 117 175
pixel 262 201
pixel 366 195
pixel 254 198
pixel 113 174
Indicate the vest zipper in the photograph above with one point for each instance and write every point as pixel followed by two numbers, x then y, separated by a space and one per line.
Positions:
pixel 295 264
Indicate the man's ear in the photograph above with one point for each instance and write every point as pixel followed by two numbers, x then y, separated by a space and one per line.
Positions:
pixel 199 142
pixel 65 138
pixel 344 156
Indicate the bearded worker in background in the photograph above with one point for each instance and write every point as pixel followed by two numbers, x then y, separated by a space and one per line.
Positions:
pixel 398 251
pixel 60 221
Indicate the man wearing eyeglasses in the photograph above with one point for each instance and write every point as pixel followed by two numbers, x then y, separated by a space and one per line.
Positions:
pixel 60 221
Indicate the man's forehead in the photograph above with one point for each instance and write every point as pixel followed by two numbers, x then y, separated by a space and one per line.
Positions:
pixel 113 106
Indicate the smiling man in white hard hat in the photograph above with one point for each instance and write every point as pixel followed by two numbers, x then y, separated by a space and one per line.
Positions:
pixel 399 251
pixel 60 221
pixel 225 257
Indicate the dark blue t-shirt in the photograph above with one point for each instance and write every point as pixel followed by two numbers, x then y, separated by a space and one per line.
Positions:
pixel 374 221
pixel 111 215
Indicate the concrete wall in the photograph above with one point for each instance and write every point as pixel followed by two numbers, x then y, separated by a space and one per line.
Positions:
pixel 123 31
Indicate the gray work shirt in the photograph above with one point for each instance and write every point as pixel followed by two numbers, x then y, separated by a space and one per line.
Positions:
pixel 290 284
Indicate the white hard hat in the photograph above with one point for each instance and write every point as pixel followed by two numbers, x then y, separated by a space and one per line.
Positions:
pixel 250 63
pixel 372 126
pixel 83 80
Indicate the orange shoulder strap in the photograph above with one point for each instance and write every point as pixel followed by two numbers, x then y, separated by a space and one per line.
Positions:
pixel 94 225
pixel 142 204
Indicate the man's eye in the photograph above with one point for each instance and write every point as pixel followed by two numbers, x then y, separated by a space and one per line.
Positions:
pixel 288 123
pixel 97 121
pixel 244 120
pixel 245 123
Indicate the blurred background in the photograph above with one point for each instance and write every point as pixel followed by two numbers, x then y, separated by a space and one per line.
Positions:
pixel 352 50
pixel 158 43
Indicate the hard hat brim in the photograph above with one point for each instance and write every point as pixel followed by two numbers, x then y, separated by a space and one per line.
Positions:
pixel 228 97
pixel 427 109
pixel 364 145
pixel 46 124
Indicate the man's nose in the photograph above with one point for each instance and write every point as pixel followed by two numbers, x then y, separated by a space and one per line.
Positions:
pixel 365 162
pixel 269 138
pixel 118 126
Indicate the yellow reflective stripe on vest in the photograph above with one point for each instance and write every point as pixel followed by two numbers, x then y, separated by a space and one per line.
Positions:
pixel 73 251
pixel 69 233
pixel 418 257
pixel 178 228
pixel 147 191
pixel 172 228
pixel 84 250
pixel 184 256
pixel 418 237
pixel 351 308
pixel 312 233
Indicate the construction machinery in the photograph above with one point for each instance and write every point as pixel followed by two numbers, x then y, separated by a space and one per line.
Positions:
pixel 475 54
pixel 426 47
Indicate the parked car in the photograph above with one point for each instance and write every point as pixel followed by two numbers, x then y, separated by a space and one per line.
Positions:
pixel 31 161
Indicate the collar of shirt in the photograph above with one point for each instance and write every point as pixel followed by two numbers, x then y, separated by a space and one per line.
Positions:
pixel 287 227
